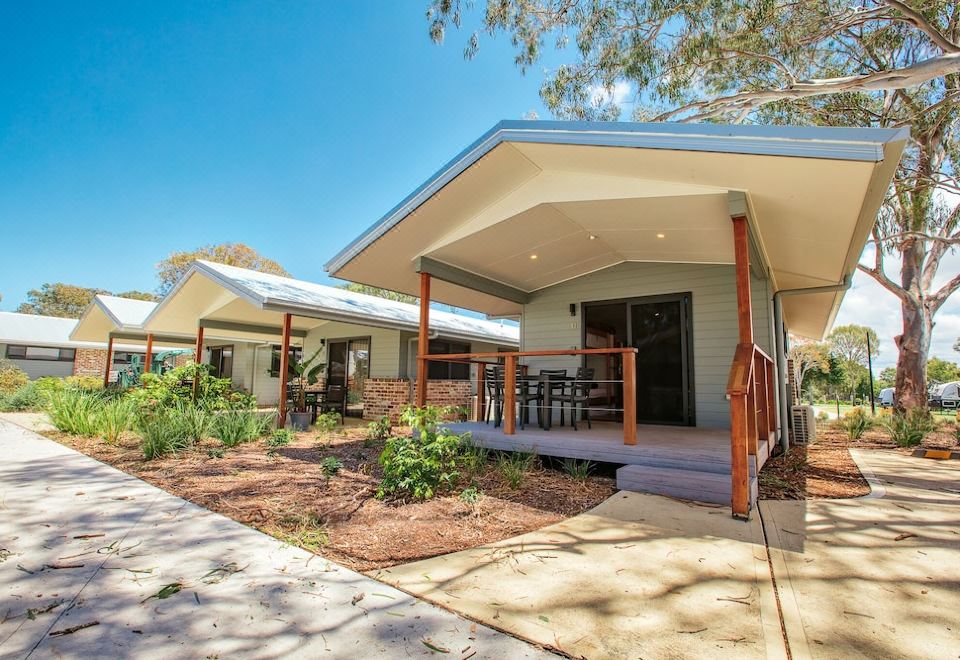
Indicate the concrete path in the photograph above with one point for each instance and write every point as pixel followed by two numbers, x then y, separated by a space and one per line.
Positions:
pixel 639 576
pixel 83 543
pixel 873 577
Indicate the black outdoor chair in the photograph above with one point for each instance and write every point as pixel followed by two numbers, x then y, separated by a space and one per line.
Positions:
pixel 528 392
pixel 557 388
pixel 577 396
pixel 335 400
pixel 493 381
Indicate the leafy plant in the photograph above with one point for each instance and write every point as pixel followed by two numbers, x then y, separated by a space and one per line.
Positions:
pixel 855 423
pixel 27 397
pixel 910 428
pixel 12 377
pixel 114 418
pixel 176 388
pixel 330 466
pixel 473 458
pixel 197 420
pixel 578 470
pixel 302 373
pixel 233 427
pixel 514 466
pixel 379 429
pixel 216 452
pixel 162 431
pixel 281 438
pixel 75 412
pixel 423 464
pixel 328 421
pixel 471 495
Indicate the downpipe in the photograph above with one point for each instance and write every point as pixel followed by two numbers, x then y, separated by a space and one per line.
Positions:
pixel 782 348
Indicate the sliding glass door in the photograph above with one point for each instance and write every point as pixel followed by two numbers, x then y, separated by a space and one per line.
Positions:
pixel 348 365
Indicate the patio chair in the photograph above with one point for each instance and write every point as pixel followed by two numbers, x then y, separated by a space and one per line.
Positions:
pixel 577 396
pixel 528 392
pixel 493 381
pixel 335 400
pixel 557 388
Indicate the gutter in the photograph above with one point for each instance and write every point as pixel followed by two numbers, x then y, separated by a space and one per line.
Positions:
pixel 782 348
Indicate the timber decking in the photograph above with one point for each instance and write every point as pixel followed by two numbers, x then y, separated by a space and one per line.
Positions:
pixel 679 461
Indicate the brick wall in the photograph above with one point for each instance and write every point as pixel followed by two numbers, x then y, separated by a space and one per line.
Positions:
pixel 89 362
pixel 182 359
pixel 387 396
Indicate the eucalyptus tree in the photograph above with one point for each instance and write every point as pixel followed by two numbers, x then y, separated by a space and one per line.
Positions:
pixel 883 63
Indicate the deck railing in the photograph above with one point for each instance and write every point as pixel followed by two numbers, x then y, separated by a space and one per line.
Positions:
pixel 511 365
pixel 753 416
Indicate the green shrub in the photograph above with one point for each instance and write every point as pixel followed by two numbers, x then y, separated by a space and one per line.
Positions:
pixel 379 430
pixel 233 427
pixel 197 420
pixel 12 377
pixel 330 466
pixel 855 423
pixel 216 452
pixel 473 459
pixel 328 422
pixel 578 470
pixel 281 438
pixel 114 418
pixel 174 388
pixel 27 397
pixel 162 431
pixel 910 428
pixel 471 495
pixel 513 467
pixel 75 412
pixel 423 464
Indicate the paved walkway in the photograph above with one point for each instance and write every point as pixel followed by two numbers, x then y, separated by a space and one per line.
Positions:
pixel 83 543
pixel 876 577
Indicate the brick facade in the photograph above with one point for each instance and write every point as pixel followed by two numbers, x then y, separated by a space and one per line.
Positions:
pixel 89 362
pixel 387 396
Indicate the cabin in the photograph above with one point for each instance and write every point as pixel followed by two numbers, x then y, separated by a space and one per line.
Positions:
pixel 654 269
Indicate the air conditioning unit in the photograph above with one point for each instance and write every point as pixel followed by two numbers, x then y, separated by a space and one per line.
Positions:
pixel 804 424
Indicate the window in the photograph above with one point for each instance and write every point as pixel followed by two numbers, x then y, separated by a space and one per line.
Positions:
pixel 448 370
pixel 126 357
pixel 296 354
pixel 15 352
pixel 221 358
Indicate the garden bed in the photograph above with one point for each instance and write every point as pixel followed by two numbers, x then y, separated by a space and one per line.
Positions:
pixel 825 469
pixel 285 492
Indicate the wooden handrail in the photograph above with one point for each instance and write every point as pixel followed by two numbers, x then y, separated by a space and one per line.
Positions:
pixel 520 354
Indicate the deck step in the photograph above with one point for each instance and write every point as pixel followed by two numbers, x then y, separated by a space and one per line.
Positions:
pixel 682 462
pixel 682 483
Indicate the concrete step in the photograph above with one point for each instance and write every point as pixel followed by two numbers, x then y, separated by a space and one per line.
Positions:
pixel 681 483
pixel 676 461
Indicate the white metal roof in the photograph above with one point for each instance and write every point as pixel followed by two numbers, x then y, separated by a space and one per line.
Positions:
pixel 126 312
pixel 35 330
pixel 308 299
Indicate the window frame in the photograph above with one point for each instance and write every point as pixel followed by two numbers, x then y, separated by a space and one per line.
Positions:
pixel 437 370
pixel 63 354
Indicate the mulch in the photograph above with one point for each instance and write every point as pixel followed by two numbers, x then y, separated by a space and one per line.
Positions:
pixel 825 469
pixel 283 492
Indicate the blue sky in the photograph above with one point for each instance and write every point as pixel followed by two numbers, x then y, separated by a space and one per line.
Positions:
pixel 131 130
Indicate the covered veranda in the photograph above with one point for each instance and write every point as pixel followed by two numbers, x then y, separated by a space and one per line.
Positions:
pixel 754 230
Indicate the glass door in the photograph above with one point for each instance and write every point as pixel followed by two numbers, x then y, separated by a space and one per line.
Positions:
pixel 348 365
pixel 659 330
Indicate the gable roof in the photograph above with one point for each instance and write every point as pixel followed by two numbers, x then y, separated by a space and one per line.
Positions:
pixel 301 298
pixel 125 312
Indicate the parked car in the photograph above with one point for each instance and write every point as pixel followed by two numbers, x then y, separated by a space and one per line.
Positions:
pixel 886 397
pixel 946 395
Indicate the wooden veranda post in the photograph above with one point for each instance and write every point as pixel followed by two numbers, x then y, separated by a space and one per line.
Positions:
pixel 198 360
pixel 740 403
pixel 423 340
pixel 284 369
pixel 510 394
pixel 106 368
pixel 629 398
pixel 148 355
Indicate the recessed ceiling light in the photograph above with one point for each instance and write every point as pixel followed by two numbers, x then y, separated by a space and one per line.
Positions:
pixel 661 236
pixel 533 256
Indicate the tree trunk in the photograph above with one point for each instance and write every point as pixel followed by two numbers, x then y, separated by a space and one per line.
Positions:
pixel 913 346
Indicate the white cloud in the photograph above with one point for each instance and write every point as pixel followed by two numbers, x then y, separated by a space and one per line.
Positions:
pixel 618 94
pixel 868 303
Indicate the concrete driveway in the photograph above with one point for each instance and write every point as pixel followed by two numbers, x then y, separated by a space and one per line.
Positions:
pixel 96 563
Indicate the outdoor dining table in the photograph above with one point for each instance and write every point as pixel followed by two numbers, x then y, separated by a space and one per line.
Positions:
pixel 544 410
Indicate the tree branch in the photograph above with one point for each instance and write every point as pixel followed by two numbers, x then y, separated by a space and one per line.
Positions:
pixel 918 20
